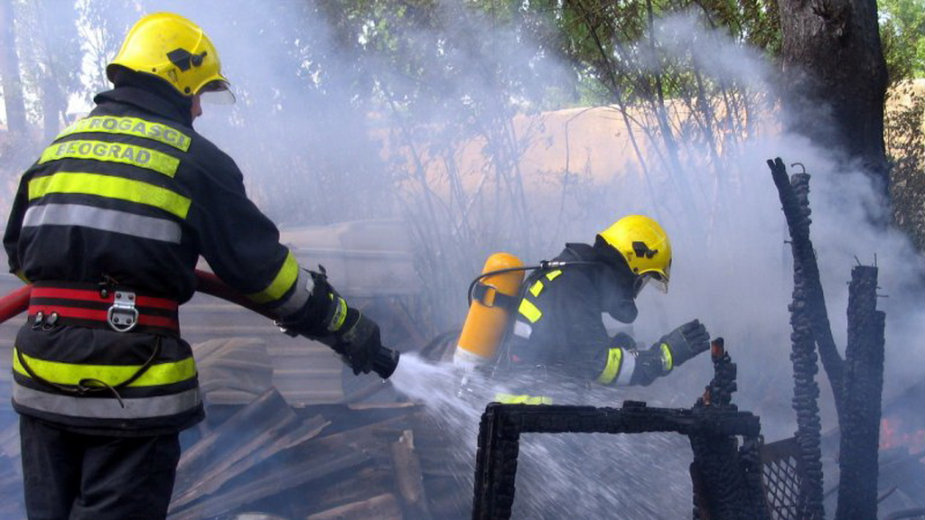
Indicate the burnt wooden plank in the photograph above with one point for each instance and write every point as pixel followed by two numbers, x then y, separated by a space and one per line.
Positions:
pixel 383 507
pixel 408 477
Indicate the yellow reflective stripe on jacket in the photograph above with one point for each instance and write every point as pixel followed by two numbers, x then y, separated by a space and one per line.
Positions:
pixel 529 311
pixel 131 126
pixel 538 286
pixel 110 187
pixel 113 375
pixel 612 368
pixel 521 399
pixel 113 152
pixel 286 276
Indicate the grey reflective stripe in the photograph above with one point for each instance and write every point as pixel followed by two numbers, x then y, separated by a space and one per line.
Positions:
pixel 522 330
pixel 302 289
pixel 626 370
pixel 105 408
pixel 103 219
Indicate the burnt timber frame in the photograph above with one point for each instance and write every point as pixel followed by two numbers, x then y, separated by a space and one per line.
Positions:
pixel 502 424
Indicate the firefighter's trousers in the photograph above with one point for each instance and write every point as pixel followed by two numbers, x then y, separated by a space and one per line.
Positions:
pixel 72 476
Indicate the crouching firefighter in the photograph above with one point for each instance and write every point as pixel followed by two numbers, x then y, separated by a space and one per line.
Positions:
pixel 554 328
pixel 108 226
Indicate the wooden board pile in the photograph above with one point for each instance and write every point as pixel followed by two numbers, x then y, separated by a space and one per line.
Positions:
pixel 316 462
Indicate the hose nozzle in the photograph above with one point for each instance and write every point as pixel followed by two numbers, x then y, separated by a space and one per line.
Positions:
pixel 385 361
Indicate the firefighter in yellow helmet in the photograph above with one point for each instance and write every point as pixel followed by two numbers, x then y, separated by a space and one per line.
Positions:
pixel 108 226
pixel 558 328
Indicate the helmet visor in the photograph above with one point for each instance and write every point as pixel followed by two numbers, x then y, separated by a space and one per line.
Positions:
pixel 217 92
pixel 652 278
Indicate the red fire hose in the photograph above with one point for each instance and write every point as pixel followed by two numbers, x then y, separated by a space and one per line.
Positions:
pixel 14 303
pixel 18 301
pixel 384 361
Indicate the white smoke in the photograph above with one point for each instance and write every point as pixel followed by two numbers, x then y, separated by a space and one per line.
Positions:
pixel 310 148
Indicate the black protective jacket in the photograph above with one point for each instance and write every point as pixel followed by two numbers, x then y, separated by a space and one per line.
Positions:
pixel 132 196
pixel 558 325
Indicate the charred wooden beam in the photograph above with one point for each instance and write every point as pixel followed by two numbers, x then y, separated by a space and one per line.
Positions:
pixel 860 426
pixel 794 197
pixel 502 424
pixel 727 478
pixel 809 320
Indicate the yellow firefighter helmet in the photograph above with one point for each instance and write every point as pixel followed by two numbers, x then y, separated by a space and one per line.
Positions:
pixel 174 49
pixel 644 245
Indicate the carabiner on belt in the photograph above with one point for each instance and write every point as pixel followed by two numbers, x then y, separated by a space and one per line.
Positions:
pixel 122 316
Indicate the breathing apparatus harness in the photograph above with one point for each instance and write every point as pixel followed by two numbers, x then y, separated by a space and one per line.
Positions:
pixel 479 292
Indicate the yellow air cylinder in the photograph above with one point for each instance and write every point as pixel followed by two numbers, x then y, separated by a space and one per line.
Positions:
pixel 488 316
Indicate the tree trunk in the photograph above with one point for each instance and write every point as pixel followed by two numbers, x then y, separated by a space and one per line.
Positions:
pixel 59 45
pixel 835 78
pixel 9 71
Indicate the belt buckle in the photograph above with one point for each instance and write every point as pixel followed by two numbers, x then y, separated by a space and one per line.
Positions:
pixel 122 316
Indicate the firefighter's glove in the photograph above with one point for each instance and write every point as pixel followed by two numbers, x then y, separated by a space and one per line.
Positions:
pixel 327 318
pixel 682 344
pixel 359 345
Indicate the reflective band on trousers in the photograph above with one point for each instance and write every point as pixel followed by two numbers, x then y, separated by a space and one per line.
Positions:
pixel 130 126
pixel 110 187
pixel 286 276
pixel 112 152
pixel 521 399
pixel 612 368
pixel 103 408
pixel 71 373
pixel 104 220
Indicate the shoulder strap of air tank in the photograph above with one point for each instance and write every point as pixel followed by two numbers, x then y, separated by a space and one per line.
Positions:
pixel 498 299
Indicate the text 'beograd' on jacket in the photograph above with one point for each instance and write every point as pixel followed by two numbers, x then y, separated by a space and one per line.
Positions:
pixel 131 196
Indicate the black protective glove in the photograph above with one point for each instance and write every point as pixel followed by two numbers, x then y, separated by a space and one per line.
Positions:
pixel 682 344
pixel 672 350
pixel 327 318
pixel 357 341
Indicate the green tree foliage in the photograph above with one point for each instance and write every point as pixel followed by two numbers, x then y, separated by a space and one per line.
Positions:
pixel 902 31
pixel 612 44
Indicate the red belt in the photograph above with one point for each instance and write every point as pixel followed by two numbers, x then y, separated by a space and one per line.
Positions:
pixel 119 309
